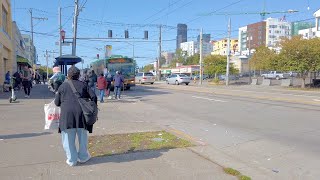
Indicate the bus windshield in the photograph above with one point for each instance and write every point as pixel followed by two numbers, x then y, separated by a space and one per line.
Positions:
pixel 127 69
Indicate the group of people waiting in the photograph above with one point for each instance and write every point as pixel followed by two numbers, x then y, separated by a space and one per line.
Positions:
pixel 103 83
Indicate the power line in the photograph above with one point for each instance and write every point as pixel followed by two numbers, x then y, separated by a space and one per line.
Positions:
pixel 212 12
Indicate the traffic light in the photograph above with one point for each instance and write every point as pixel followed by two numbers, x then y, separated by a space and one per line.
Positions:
pixel 109 33
pixel 126 34
pixel 145 34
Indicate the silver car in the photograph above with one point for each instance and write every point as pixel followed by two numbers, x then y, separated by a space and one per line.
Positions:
pixel 145 77
pixel 178 79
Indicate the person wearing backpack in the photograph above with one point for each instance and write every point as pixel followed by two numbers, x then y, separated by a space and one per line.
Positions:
pixel 57 79
pixel 72 118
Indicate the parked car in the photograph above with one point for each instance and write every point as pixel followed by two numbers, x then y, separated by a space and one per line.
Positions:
pixel 178 79
pixel 145 77
pixel 231 77
pixel 275 75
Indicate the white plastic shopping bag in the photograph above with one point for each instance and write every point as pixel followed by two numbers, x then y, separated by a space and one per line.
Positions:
pixel 52 116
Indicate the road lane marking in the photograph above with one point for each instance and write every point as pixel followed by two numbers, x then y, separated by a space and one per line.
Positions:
pixel 209 99
pixel 318 100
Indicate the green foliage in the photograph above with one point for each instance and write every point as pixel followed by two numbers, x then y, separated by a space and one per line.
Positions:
pixel 231 171
pixel 264 59
pixel 148 68
pixel 243 177
pixel 43 69
pixel 217 64
pixel 300 55
pixel 192 60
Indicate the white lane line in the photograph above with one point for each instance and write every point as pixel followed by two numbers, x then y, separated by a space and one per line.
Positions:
pixel 216 100
pixel 318 100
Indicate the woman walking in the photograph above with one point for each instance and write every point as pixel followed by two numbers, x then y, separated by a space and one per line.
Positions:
pixel 72 120
pixel 26 81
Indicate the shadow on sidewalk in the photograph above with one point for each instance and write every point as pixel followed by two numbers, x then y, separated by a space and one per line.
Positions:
pixel 23 135
pixel 38 91
pixel 127 157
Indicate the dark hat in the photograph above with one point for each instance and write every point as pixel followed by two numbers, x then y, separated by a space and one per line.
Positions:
pixel 74 73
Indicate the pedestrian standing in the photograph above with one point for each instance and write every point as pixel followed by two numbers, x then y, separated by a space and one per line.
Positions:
pixel 92 77
pixel 109 82
pixel 118 82
pixel 44 77
pixel 26 81
pixel 72 121
pixel 102 85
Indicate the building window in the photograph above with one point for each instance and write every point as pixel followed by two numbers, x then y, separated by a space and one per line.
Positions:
pixel 4 20
pixel 26 40
pixel 273 26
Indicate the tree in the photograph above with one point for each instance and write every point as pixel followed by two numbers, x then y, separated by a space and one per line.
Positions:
pixel 301 55
pixel 217 64
pixel 264 59
pixel 148 68
pixel 43 69
pixel 179 57
pixel 192 60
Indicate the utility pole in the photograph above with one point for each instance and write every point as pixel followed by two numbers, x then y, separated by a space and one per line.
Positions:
pixel 31 18
pixel 75 24
pixel 60 29
pixel 228 53
pixel 31 25
pixel 201 56
pixel 159 58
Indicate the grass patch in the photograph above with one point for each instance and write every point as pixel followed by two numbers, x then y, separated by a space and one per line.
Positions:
pixel 243 177
pixel 236 173
pixel 231 171
pixel 106 145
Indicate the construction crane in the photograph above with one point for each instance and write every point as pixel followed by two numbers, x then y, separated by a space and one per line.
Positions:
pixel 262 13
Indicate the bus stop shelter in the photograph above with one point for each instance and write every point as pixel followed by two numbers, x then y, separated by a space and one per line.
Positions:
pixel 65 60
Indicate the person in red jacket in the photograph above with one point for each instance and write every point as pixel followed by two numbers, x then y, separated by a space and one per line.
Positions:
pixel 102 85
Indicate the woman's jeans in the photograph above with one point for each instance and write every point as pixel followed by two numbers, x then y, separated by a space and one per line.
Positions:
pixel 69 146
pixel 101 94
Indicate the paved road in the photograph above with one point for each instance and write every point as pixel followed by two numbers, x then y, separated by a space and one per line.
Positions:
pixel 266 133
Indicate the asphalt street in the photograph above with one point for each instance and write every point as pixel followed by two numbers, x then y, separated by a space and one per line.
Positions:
pixel 267 131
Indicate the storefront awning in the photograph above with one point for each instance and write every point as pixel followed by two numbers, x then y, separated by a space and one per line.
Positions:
pixel 23 61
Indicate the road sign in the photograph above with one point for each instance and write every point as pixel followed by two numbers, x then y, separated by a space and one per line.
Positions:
pixel 64 44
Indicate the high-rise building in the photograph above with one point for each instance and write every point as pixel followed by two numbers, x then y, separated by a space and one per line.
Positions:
pixel 205 37
pixel 182 34
pixel 309 32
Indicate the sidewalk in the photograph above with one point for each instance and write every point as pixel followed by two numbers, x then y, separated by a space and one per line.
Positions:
pixel 28 152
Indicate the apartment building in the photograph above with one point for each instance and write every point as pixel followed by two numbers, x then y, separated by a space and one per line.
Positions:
pixel 220 47
pixel 6 47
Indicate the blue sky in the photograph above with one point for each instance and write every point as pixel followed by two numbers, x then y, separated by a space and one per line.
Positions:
pixel 98 16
